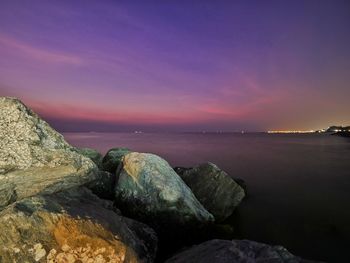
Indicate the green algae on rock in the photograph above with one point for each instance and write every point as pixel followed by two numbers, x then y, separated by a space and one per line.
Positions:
pixel 113 159
pixel 94 155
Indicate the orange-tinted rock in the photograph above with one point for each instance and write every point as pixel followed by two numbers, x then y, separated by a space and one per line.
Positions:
pixel 72 226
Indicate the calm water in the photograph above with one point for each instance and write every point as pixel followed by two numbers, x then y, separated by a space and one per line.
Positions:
pixel 299 185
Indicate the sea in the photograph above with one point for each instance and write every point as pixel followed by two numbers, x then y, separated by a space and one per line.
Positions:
pixel 298 184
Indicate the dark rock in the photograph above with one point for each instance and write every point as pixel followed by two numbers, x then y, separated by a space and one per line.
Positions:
pixel 113 158
pixel 150 190
pixel 103 186
pixel 181 170
pixel 242 184
pixel 215 189
pixel 238 251
pixel 34 158
pixel 72 226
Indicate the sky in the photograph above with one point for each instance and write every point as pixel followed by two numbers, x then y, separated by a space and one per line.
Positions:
pixel 178 65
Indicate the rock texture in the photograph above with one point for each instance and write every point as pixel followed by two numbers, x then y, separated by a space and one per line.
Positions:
pixel 113 159
pixel 72 226
pixel 214 188
pixel 149 189
pixel 34 158
pixel 237 251
pixel 94 155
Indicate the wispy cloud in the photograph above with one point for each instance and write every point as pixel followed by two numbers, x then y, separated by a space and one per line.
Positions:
pixel 8 44
pixel 251 108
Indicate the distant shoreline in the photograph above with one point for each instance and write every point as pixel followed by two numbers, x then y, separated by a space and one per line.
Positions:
pixel 193 132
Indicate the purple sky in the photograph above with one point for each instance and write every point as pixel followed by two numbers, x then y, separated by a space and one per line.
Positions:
pixel 178 65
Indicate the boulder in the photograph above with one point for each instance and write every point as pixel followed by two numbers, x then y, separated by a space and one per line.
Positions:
pixel 94 155
pixel 72 226
pixel 113 158
pixel 34 158
pixel 150 190
pixel 242 184
pixel 103 186
pixel 238 251
pixel 214 188
pixel 180 170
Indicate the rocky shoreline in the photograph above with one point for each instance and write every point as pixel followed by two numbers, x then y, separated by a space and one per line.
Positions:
pixel 63 204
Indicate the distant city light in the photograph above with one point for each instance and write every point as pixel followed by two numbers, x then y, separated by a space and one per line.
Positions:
pixel 311 131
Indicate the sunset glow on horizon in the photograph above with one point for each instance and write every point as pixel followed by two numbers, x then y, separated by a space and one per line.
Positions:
pixel 178 66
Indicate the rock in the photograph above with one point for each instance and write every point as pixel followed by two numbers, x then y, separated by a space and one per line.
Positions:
pixel 72 226
pixel 34 158
pixel 103 186
pixel 215 189
pixel 238 251
pixel 242 184
pixel 150 190
pixel 94 155
pixel 113 158
pixel 181 170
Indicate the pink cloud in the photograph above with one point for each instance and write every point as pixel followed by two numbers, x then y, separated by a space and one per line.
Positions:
pixel 79 112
